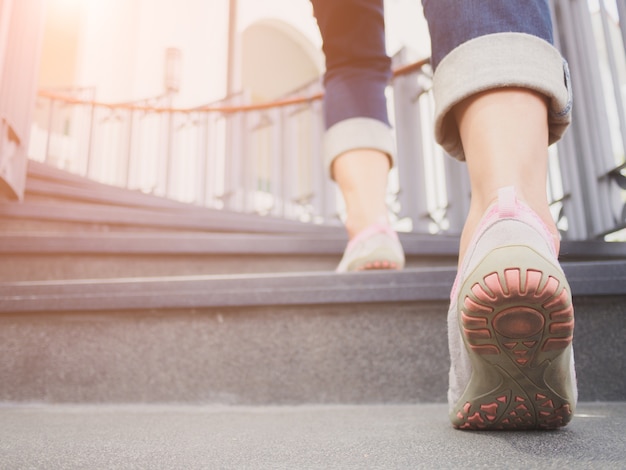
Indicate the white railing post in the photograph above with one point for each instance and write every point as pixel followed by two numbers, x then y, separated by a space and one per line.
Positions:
pixel 413 197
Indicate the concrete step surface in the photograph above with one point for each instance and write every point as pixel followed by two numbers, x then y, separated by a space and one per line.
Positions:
pixel 419 436
pixel 69 227
pixel 259 340
pixel 31 256
pixel 46 255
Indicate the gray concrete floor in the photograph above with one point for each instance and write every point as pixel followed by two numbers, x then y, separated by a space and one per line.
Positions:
pixel 328 437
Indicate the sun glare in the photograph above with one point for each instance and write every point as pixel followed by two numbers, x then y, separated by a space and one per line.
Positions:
pixel 67 5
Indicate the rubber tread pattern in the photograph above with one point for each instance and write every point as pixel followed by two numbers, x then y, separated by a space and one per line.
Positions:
pixel 517 323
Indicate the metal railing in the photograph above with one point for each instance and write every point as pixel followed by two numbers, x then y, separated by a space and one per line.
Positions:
pixel 233 155
pixel 266 158
pixel 591 191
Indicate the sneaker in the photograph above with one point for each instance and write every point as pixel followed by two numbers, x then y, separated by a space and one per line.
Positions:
pixel 376 247
pixel 510 326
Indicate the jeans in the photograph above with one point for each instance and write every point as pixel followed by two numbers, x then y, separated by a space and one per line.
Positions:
pixel 357 65
pixel 475 18
pixel 495 37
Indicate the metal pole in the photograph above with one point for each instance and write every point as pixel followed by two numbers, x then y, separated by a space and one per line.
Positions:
pixel 413 197
pixel 90 138
pixel 129 150
pixel 169 156
pixel 612 63
pixel 50 121
pixel 621 10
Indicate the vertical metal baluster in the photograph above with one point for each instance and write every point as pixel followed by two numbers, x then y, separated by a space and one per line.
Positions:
pixel 169 158
pixel 202 159
pixel 286 157
pixel 458 192
pixel 315 136
pixel 599 157
pixel 232 168
pixel 621 11
pixel 410 153
pixel 617 92
pixel 50 121
pixel 573 203
pixel 211 139
pixel 277 169
pixel 129 149
pixel 249 158
pixel 574 42
pixel 92 118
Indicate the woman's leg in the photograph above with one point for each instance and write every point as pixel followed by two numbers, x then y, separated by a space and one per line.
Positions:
pixel 502 97
pixel 505 139
pixel 362 178
pixel 358 146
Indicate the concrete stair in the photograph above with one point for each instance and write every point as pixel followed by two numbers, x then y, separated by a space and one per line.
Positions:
pixel 116 306
pixel 71 228
pixel 342 437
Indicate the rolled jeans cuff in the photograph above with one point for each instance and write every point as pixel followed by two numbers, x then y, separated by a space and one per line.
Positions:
pixel 497 61
pixel 357 134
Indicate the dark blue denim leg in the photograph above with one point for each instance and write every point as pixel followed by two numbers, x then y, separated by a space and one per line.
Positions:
pixel 453 22
pixel 479 45
pixel 357 66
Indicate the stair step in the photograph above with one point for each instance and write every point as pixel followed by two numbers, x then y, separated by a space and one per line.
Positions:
pixel 329 437
pixel 58 256
pixel 61 200
pixel 226 291
pixel 113 296
pixel 93 216
pixel 268 339
pixel 46 255
pixel 419 284
pixel 97 255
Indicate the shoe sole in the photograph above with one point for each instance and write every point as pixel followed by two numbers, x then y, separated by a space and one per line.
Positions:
pixel 517 322
pixel 375 263
pixel 381 258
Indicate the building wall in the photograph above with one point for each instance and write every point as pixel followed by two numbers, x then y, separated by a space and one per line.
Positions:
pixel 276 59
pixel 118 46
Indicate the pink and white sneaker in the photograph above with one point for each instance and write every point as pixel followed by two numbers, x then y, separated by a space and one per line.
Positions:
pixel 376 247
pixel 510 326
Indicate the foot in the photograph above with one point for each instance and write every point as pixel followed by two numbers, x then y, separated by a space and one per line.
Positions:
pixel 375 247
pixel 511 325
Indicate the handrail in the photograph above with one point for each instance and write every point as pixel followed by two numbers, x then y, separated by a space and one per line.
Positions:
pixel 155 109
pixel 410 68
pixel 403 70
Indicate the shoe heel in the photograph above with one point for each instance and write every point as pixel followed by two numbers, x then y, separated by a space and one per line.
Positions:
pixel 517 321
